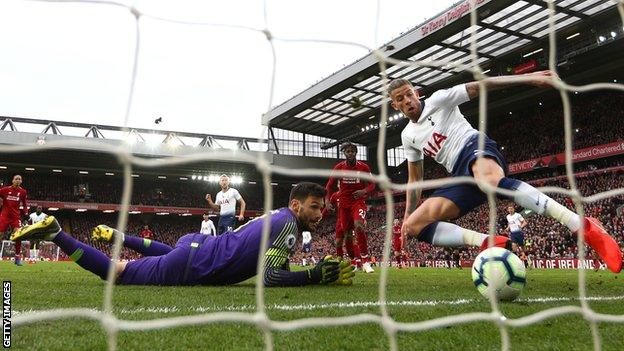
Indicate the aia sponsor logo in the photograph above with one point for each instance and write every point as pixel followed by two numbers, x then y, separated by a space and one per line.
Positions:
pixel 434 144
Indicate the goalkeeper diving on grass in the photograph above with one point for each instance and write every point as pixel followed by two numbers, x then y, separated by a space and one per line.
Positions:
pixel 199 259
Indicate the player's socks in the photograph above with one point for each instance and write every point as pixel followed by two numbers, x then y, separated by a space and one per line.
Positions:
pixel 451 235
pixel 531 198
pixel 84 255
pixel 146 247
pixel 18 252
pixel 304 262
pixel 362 243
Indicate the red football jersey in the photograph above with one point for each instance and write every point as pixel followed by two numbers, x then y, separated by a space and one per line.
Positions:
pixel 147 234
pixel 11 199
pixel 348 185
pixel 396 230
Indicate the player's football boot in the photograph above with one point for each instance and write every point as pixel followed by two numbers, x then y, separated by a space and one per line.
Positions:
pixel 499 241
pixel 18 261
pixel 43 230
pixel 606 247
pixel 104 233
pixel 366 267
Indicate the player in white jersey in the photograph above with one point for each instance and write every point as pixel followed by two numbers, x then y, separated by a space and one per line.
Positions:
pixel 515 224
pixel 307 248
pixel 438 129
pixel 207 227
pixel 36 217
pixel 225 203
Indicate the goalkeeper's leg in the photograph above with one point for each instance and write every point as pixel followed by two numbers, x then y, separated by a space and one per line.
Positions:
pixel 84 255
pixel 145 247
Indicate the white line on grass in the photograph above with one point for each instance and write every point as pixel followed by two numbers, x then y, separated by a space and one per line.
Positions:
pixel 354 304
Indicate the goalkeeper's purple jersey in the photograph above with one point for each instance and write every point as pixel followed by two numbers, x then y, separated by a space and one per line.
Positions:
pixel 233 257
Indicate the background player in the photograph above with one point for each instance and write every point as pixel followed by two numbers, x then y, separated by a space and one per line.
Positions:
pixel 439 130
pixel 146 232
pixel 397 243
pixel 225 203
pixel 343 236
pixel 207 227
pixel 10 216
pixel 36 217
pixel 199 259
pixel 306 248
pixel 515 224
pixel 352 199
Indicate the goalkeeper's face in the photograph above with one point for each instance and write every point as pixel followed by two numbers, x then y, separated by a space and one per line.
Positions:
pixel 309 211
pixel 406 99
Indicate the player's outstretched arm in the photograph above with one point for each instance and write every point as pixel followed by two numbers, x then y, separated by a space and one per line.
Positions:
pixel 539 79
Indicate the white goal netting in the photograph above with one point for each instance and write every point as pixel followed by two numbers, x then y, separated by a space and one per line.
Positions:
pixel 112 324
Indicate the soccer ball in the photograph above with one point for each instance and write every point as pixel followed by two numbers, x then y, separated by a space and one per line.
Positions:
pixel 499 270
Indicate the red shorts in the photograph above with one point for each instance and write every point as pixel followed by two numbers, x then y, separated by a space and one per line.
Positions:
pixel 396 243
pixel 347 215
pixel 5 223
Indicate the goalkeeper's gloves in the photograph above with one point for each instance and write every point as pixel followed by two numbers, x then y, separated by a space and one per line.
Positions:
pixel 326 271
pixel 346 273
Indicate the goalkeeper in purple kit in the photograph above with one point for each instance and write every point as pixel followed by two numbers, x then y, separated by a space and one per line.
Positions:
pixel 199 259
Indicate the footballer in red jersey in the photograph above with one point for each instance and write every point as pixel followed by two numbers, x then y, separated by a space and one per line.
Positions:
pixel 352 201
pixel 397 243
pixel 10 215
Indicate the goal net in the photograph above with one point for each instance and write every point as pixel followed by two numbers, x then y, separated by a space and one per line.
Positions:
pixel 113 324
pixel 43 251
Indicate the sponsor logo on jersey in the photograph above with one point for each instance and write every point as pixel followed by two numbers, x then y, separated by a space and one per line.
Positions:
pixel 434 145
pixel 351 180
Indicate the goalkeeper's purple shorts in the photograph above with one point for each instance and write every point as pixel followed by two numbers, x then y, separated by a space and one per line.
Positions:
pixel 171 269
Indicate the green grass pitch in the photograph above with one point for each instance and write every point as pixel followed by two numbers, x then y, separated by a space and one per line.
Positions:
pixel 415 295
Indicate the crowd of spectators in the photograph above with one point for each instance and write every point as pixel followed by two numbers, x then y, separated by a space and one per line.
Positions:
pixel 596 119
pixel 108 190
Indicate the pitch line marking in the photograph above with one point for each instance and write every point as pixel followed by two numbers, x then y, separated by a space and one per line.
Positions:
pixel 354 304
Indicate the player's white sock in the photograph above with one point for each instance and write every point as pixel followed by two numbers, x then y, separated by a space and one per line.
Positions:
pixel 531 198
pixel 313 260
pixel 449 234
pixel 304 262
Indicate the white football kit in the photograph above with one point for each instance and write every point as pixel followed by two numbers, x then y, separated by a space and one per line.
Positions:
pixel 441 131
pixel 35 218
pixel 208 228
pixel 515 220
pixel 227 201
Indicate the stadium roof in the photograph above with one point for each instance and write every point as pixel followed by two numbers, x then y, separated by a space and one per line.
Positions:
pixel 350 99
